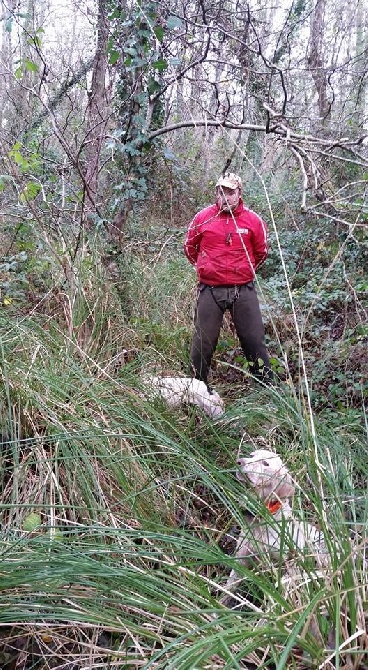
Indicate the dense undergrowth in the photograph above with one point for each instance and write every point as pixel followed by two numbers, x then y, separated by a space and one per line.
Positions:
pixel 119 516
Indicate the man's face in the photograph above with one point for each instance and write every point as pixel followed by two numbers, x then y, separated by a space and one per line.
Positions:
pixel 227 198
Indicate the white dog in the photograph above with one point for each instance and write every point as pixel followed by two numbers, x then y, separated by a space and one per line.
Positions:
pixel 265 472
pixel 178 390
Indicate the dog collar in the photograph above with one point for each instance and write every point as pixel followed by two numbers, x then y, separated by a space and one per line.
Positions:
pixel 273 506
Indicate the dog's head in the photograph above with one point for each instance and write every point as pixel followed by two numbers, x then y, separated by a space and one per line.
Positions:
pixel 267 474
pixel 209 401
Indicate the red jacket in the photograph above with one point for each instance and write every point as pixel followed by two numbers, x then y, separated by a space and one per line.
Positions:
pixel 225 247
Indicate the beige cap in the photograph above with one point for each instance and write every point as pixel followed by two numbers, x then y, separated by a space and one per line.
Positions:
pixel 229 180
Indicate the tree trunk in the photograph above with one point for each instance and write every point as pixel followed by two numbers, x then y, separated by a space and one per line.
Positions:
pixel 98 106
pixel 6 59
pixel 316 61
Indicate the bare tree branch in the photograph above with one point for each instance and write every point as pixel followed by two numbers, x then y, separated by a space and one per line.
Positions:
pixel 64 88
pixel 280 130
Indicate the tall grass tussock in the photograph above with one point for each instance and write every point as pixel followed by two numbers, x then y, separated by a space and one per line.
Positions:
pixel 119 515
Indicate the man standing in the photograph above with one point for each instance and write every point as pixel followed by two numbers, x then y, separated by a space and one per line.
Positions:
pixel 227 242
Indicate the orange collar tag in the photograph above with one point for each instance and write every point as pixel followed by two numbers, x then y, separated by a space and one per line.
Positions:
pixel 273 506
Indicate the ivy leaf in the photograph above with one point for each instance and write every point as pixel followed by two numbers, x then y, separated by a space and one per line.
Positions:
pixel 173 22
pixel 31 65
pixel 160 64
pixel 114 57
pixel 114 15
pixel 30 191
pixel 17 157
pixel 132 51
pixel 35 40
pixel 153 86
pixel 159 32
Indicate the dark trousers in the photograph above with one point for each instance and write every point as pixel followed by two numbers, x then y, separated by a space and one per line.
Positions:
pixel 242 302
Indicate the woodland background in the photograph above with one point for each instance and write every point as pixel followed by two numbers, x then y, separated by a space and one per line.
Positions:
pixel 119 516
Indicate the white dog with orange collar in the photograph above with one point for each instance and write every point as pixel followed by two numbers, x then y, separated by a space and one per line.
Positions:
pixel 261 540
